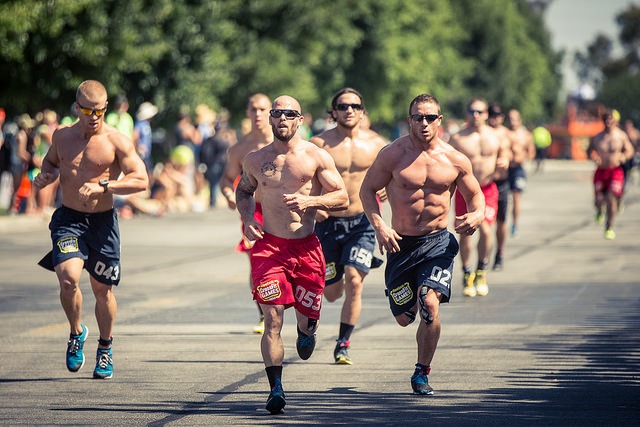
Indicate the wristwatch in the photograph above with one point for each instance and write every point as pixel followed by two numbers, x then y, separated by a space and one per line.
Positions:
pixel 104 182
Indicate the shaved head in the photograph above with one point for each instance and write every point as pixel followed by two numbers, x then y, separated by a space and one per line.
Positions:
pixel 286 102
pixel 92 91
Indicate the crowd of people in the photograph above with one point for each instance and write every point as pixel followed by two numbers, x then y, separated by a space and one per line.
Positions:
pixel 310 205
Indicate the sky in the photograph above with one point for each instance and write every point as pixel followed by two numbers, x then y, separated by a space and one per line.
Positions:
pixel 574 24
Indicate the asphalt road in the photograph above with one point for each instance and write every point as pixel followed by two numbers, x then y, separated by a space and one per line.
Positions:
pixel 556 341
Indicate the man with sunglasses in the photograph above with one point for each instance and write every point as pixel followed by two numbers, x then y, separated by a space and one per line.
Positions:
pixel 347 238
pixel 489 156
pixel 420 172
pixel 259 136
pixel 89 156
pixel 294 179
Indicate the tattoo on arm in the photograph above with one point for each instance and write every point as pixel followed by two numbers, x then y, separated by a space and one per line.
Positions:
pixel 246 186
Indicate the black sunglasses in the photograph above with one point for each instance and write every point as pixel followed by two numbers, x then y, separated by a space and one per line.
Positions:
pixel 420 117
pixel 289 114
pixel 472 112
pixel 345 107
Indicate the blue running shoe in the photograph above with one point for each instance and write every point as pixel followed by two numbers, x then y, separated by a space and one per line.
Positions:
pixel 75 356
pixel 305 344
pixel 420 384
pixel 276 401
pixel 104 364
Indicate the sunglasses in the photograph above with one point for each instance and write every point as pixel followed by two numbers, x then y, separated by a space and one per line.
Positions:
pixel 420 117
pixel 473 112
pixel 345 107
pixel 89 112
pixel 289 114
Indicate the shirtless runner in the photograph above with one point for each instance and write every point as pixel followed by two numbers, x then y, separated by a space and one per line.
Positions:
pixel 489 154
pixel 260 135
pixel 347 238
pixel 89 156
pixel 609 149
pixel 420 173
pixel 294 179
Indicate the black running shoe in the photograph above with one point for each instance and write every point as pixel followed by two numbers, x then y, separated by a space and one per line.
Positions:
pixel 305 344
pixel 276 401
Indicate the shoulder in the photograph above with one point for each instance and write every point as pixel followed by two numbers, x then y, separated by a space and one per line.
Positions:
pixel 374 137
pixel 328 137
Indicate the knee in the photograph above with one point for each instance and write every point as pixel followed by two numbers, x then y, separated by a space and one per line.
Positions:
pixel 333 291
pixel 406 318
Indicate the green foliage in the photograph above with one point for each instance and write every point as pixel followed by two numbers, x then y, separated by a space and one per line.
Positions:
pixel 179 53
pixel 513 63
pixel 616 78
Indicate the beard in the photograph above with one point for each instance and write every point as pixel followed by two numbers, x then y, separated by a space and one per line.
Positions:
pixel 283 134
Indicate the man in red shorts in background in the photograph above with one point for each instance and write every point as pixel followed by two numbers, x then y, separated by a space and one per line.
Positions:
pixel 260 135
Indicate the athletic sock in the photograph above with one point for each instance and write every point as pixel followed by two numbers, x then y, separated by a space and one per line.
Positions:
pixel 345 331
pixel 274 373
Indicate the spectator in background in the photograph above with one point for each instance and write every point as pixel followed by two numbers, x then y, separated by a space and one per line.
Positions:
pixel 186 133
pixel 21 157
pixel 142 134
pixel 542 141
pixel 120 117
pixel 213 157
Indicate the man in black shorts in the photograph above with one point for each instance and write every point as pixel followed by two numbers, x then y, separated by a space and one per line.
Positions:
pixel 89 156
pixel 420 173
pixel 348 240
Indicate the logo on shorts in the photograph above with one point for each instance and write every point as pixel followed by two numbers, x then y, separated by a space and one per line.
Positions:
pixel 68 244
pixel 331 270
pixel 402 294
pixel 270 290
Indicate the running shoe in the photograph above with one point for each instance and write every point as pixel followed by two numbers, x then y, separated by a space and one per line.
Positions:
pixel 420 384
pixel 341 353
pixel 75 355
pixel 276 401
pixel 514 231
pixel 259 328
pixel 305 344
pixel 481 283
pixel 104 364
pixel 609 234
pixel 497 264
pixel 469 288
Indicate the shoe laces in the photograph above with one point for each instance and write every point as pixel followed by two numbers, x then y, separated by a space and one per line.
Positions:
pixel 104 359
pixel 420 378
pixel 73 345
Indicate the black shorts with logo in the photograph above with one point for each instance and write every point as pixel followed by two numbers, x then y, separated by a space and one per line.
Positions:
pixel 422 260
pixel 94 237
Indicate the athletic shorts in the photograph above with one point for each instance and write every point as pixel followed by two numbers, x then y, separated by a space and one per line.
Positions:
pixel 517 179
pixel 503 199
pixel 347 241
pixel 94 237
pixel 422 260
pixel 610 179
pixel 490 192
pixel 245 245
pixel 289 272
